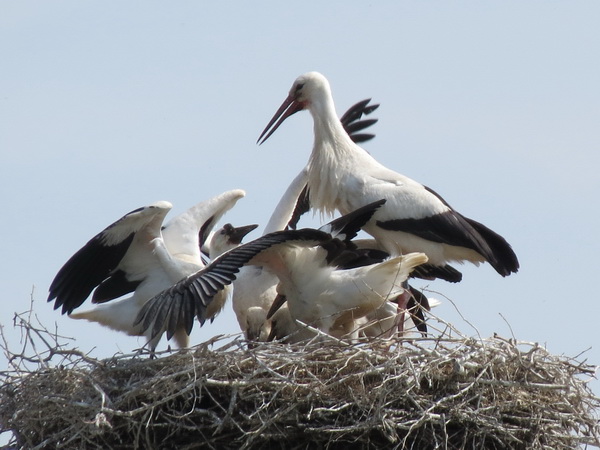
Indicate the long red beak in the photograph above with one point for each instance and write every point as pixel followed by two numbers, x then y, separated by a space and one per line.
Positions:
pixel 288 107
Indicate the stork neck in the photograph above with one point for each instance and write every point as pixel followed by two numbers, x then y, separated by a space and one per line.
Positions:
pixel 332 150
pixel 327 127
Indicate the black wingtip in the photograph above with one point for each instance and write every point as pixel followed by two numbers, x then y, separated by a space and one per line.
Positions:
pixel 302 207
pixel 347 227
pixel 352 123
pixel 357 110
pixel 452 228
pixel 503 259
pixel 431 272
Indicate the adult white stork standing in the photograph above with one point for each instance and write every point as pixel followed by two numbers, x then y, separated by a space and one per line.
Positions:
pixel 255 286
pixel 303 261
pixel 137 254
pixel 342 176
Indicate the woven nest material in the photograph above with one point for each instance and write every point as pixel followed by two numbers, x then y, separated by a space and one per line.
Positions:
pixel 458 393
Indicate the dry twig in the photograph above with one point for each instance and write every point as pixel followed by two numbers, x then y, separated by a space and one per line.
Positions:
pixel 448 392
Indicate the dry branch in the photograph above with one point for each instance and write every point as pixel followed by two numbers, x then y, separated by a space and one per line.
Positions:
pixel 458 393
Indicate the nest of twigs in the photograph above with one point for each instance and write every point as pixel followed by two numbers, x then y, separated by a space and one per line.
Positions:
pixel 447 392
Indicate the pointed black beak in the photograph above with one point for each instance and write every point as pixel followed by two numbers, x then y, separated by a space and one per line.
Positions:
pixel 277 303
pixel 272 335
pixel 237 234
pixel 289 107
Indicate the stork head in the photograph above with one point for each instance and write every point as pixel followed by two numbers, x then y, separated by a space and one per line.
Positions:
pixel 228 237
pixel 307 89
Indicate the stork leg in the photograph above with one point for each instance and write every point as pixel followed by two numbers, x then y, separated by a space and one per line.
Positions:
pixel 402 301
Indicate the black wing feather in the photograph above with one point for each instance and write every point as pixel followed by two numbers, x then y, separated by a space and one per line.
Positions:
pixel 507 259
pixel 430 272
pixel 348 226
pixel 454 229
pixel 359 138
pixel 417 302
pixel 351 258
pixel 352 123
pixel 113 287
pixel 360 125
pixel 302 207
pixel 356 111
pixel 191 296
pixel 85 270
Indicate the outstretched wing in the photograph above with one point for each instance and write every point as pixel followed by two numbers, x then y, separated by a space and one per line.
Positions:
pixel 186 233
pixel 176 307
pixel 98 261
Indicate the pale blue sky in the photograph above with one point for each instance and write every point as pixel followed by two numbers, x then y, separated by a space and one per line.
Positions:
pixel 105 107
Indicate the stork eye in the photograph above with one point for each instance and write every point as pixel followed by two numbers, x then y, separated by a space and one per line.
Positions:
pixel 299 86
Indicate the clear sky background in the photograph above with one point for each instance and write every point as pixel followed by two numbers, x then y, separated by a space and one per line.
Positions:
pixel 105 107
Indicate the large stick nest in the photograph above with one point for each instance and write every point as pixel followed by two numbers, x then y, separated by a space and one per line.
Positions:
pixel 424 393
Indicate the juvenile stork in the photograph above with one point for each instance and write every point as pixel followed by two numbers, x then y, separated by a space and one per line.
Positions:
pixel 137 254
pixel 304 261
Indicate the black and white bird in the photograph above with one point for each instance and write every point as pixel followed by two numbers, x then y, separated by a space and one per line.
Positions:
pixel 255 286
pixel 385 321
pixel 226 238
pixel 254 289
pixel 342 176
pixel 138 255
pixel 220 241
pixel 304 262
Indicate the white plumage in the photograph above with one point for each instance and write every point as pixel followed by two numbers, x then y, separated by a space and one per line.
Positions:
pixel 135 255
pixel 379 323
pixel 331 300
pixel 342 176
pixel 304 261
pixel 254 289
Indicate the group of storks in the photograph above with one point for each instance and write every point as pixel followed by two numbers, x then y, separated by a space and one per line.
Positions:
pixel 289 284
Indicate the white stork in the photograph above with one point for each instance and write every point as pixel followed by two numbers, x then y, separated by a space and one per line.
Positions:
pixel 222 240
pixel 255 287
pixel 304 262
pixel 342 176
pixel 137 254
